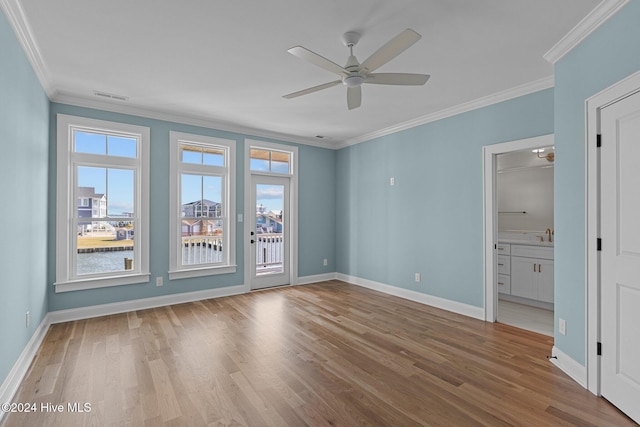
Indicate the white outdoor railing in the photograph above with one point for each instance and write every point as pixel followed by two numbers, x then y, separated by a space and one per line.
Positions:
pixel 208 249
pixel 201 249
pixel 269 249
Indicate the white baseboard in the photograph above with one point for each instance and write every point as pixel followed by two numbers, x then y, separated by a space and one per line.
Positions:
pixel 569 366
pixel 141 304
pixel 11 383
pixel 305 280
pixel 444 304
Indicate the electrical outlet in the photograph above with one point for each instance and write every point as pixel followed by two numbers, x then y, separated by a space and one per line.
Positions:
pixel 27 319
pixel 159 281
pixel 418 278
pixel 325 262
pixel 392 181
pixel 562 326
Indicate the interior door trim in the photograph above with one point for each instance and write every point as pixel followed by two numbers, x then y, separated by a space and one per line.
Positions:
pixel 625 87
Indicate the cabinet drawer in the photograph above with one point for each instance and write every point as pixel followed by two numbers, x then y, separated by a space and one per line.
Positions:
pixel 504 249
pixel 504 284
pixel 532 251
pixel 504 264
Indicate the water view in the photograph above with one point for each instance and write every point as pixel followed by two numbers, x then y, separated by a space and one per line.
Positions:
pixel 102 262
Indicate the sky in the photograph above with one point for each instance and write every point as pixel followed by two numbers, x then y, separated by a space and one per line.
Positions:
pixel 270 196
pixel 118 184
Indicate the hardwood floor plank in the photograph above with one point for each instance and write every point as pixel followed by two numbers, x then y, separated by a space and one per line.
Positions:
pixel 323 354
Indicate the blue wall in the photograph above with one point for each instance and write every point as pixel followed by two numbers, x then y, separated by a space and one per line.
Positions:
pixel 24 126
pixel 431 220
pixel 316 222
pixel 608 55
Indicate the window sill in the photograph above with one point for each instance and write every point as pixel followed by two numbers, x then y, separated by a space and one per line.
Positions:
pixel 200 272
pixel 84 284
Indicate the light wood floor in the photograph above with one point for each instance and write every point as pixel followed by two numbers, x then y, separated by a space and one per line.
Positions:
pixel 322 354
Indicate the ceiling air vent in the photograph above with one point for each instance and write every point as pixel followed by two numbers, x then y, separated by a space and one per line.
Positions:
pixel 111 96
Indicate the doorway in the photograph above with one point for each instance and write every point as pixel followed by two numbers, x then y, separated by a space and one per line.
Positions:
pixel 269 235
pixel 270 215
pixel 531 258
pixel 524 198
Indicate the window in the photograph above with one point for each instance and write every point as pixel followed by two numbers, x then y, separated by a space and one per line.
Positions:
pixel 267 160
pixel 202 202
pixel 103 177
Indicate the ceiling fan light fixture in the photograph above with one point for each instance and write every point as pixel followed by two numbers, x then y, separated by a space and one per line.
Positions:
pixel 353 80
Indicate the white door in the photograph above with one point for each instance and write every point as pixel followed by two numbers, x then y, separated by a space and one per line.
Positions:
pixel 270 231
pixel 620 258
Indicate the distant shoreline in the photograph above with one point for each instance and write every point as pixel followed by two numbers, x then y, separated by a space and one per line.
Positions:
pixel 104 249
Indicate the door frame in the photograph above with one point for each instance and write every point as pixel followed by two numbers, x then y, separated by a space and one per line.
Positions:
pixel 272 279
pixel 614 93
pixel 490 213
pixel 293 206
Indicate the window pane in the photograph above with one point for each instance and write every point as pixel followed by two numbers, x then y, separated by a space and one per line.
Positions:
pixel 92 143
pixel 90 192
pixel 191 195
pixel 212 195
pixel 213 157
pixel 120 192
pixel 103 247
pixel 280 162
pixel 120 146
pixel 279 167
pixel 190 154
pixel 201 242
pixel 259 160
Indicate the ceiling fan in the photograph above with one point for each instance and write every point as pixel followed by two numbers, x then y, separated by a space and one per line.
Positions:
pixel 354 73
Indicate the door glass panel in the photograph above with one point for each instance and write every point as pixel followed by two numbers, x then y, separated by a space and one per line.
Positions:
pixel 269 244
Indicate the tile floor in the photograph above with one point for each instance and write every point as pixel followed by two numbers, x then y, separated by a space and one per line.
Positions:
pixel 526 317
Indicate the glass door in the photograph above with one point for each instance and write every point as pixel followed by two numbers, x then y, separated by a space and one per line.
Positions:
pixel 269 235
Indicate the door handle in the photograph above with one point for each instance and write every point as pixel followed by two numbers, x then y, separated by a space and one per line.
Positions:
pixel 539 268
pixel 534 268
pixel 252 241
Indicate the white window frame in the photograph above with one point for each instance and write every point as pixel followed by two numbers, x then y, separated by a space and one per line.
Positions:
pixel 66 243
pixel 228 171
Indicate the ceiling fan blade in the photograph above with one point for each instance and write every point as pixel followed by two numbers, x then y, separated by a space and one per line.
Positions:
pixel 312 89
pixel 320 61
pixel 393 48
pixel 406 79
pixel 354 97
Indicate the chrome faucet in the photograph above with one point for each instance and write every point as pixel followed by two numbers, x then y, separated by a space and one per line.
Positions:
pixel 550 233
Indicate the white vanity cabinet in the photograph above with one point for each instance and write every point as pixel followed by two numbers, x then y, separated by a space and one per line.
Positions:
pixel 504 268
pixel 532 272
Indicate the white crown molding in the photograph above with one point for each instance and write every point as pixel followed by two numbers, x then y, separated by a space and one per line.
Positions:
pixel 122 108
pixel 505 95
pixel 598 16
pixel 16 17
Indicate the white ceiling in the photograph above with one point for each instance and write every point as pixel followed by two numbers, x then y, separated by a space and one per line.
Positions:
pixel 226 62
